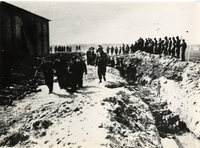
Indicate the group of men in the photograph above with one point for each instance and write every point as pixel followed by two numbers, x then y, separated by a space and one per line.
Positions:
pixel 61 49
pixel 68 75
pixel 72 75
pixel 122 50
pixel 99 59
pixel 91 56
pixel 169 46
pixel 58 49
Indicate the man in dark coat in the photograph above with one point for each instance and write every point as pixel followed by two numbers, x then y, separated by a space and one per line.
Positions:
pixel 166 43
pixel 80 70
pixel 108 50
pixel 101 62
pixel 116 50
pixel 112 50
pixel 159 46
pixel 61 72
pixel 183 46
pixel 155 51
pixel 178 45
pixel 170 46
pixel 47 68
pixel 89 56
pixel 73 73
pixel 173 46
pixel 93 56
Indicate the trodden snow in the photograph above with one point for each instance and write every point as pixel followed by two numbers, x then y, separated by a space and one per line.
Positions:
pixel 82 119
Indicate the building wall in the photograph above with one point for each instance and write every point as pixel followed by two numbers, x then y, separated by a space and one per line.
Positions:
pixel 23 32
pixel 6 32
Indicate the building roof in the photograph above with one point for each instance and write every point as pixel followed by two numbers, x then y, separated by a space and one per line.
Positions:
pixel 4 3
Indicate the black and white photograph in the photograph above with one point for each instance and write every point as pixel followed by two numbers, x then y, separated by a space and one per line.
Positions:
pixel 100 74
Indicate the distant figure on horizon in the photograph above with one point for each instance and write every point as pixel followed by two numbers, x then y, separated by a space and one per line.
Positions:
pixel 178 47
pixel 123 48
pixel 107 50
pixel 166 43
pixel 116 50
pixel 170 46
pixel 112 50
pixel 183 47
pixel 173 46
pixel 160 46
pixel 155 46
pixel 127 49
pixel 120 49
pixel 132 48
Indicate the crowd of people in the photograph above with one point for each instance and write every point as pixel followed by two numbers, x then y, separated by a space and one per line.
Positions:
pixel 168 46
pixel 69 76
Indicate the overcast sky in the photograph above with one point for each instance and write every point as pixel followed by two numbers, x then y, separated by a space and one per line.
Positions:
pixel 115 21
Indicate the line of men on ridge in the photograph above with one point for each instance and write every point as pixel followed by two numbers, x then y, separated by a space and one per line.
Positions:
pixel 169 46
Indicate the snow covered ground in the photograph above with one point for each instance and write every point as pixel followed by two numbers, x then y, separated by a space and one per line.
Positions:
pixel 109 114
pixel 82 119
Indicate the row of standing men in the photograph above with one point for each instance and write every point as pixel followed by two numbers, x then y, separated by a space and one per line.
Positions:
pixel 63 49
pixel 167 46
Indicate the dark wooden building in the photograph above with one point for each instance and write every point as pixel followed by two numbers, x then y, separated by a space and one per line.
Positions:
pixel 23 37
pixel 22 32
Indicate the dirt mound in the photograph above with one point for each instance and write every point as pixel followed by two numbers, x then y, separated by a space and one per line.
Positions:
pixel 179 84
pixel 132 124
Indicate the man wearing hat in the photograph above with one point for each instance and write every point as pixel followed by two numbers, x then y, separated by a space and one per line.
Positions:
pixel 101 62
